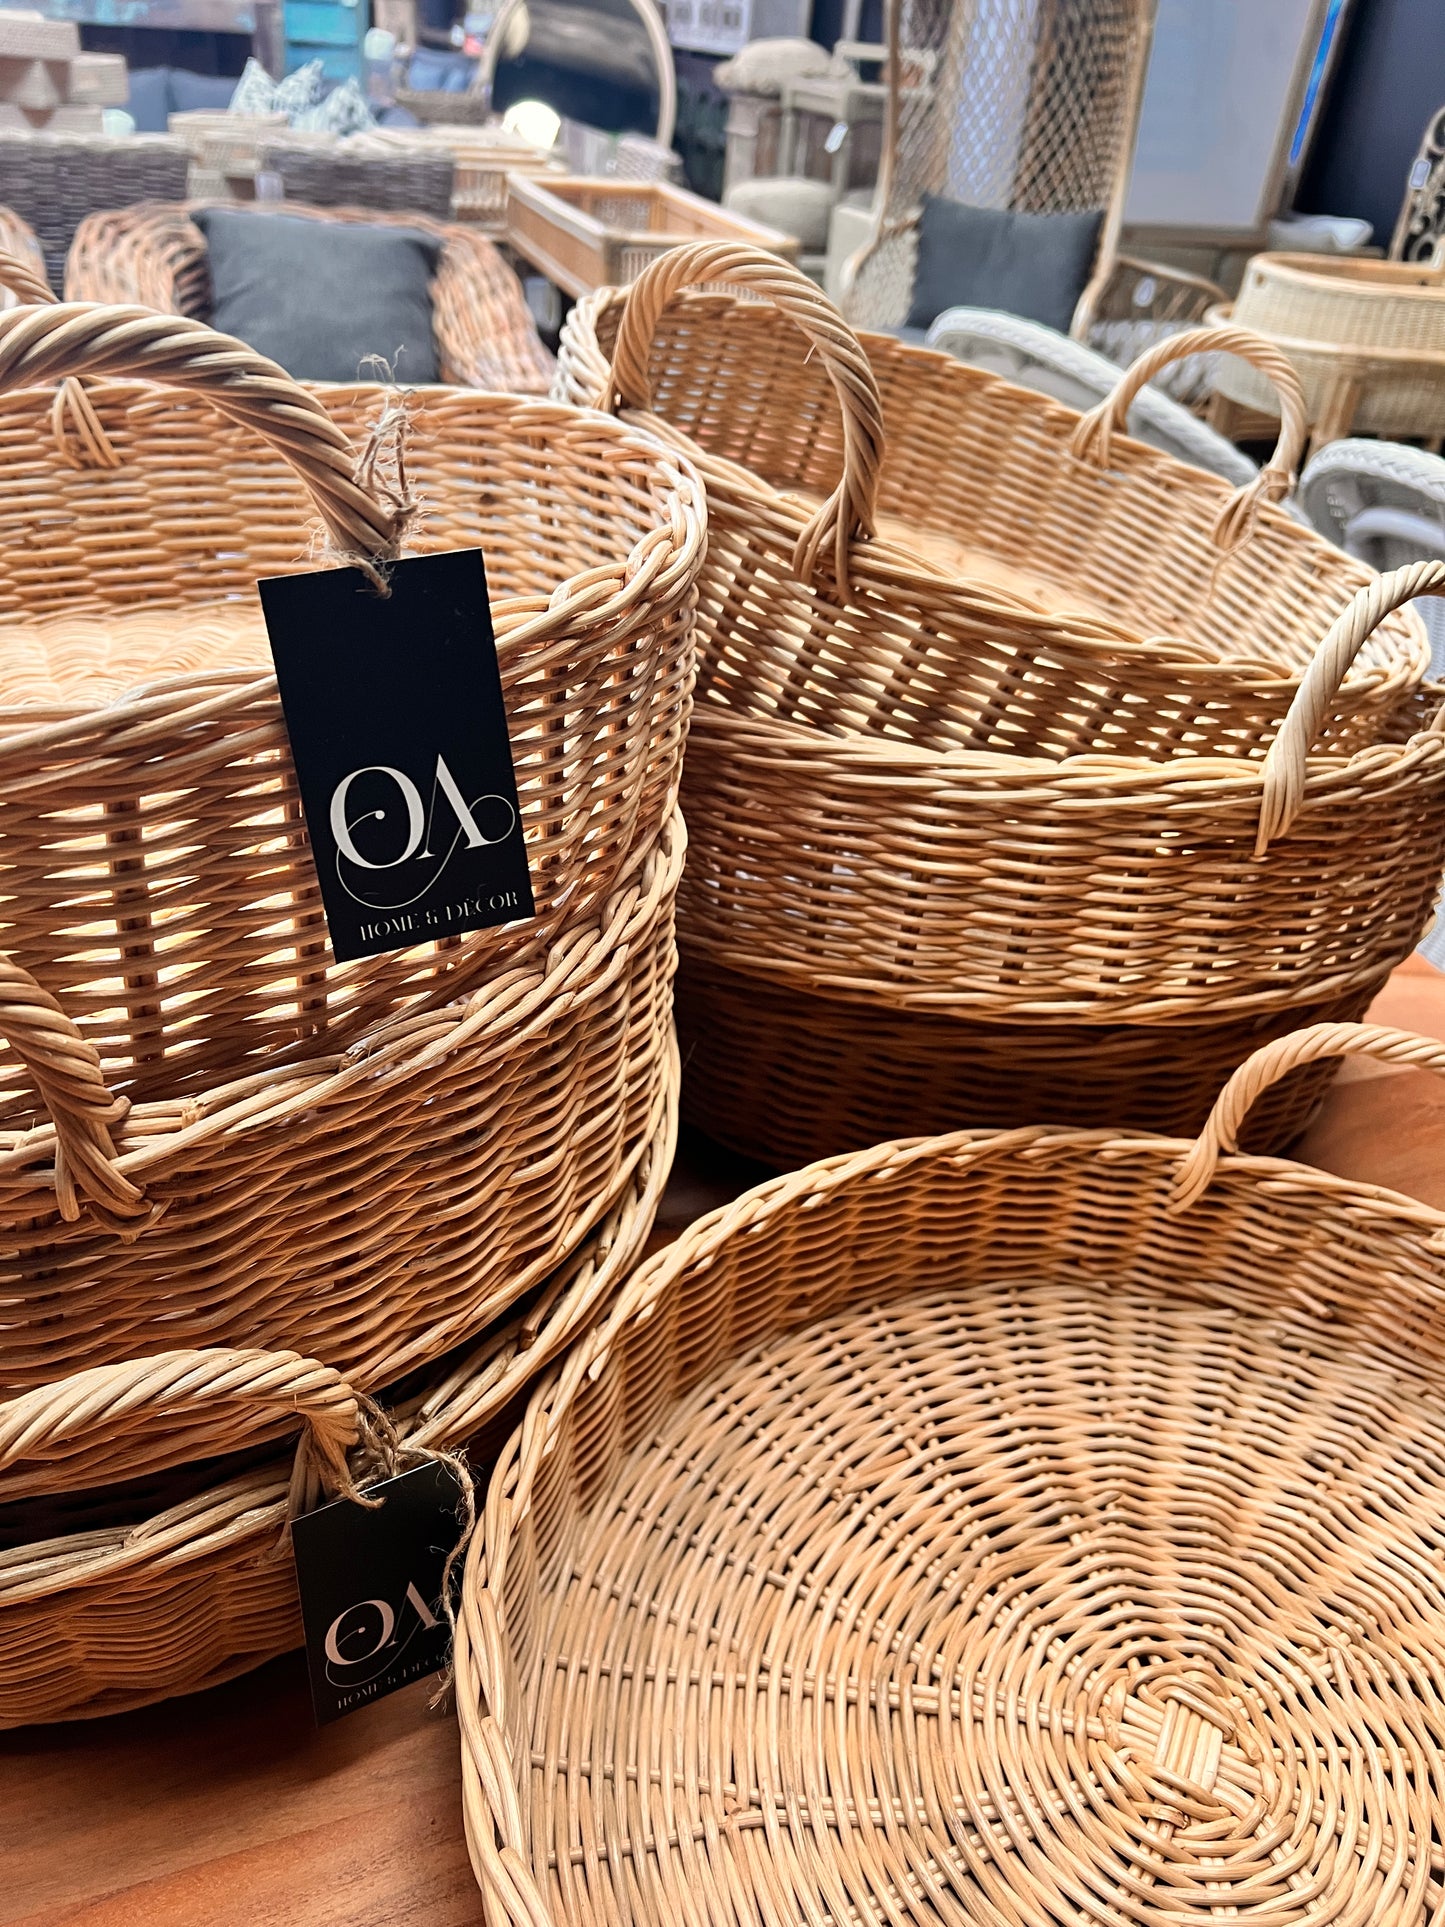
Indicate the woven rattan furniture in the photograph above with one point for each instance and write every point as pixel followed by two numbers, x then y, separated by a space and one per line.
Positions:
pixel 1420 226
pixel 482 158
pixel 1030 109
pixel 222 147
pixel 371 1207
pixel 585 234
pixel 485 337
pixel 320 170
pixel 1041 1527
pixel 116 1597
pixel 53 181
pixel 1367 339
pixel 1011 787
pixel 137 705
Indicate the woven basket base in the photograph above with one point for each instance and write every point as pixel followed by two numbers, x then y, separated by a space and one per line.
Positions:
pixel 122 1611
pixel 1044 1603
pixel 786 1077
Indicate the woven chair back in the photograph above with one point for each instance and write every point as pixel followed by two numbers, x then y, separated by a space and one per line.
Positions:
pixel 1028 108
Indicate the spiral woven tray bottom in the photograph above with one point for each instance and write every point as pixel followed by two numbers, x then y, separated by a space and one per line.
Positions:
pixel 1042 1605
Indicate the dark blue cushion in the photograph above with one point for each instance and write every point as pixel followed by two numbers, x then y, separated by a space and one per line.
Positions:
pixel 1033 265
pixel 149 105
pixel 189 91
pixel 321 297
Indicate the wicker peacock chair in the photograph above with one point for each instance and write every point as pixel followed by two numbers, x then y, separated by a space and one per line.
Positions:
pixel 1029 109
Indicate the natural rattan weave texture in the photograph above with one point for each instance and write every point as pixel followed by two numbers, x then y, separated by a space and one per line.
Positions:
pixel 1209 800
pixel 371 1207
pixel 146 1592
pixel 173 910
pixel 155 255
pixel 960 1532
pixel 785 1073
pixel 52 181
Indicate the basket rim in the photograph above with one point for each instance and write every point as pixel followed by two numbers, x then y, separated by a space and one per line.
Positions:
pixel 1337 273
pixel 1326 348
pixel 669 552
pixel 1207 780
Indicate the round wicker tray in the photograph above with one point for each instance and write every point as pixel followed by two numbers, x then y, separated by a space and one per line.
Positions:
pixel 997 1528
pixel 125 1597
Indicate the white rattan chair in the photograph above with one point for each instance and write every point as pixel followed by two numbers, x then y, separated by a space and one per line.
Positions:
pixel 1040 358
pixel 1386 504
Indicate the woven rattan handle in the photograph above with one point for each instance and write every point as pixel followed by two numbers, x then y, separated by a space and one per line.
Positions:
pixel 50 343
pixel 1095 433
pixel 81 440
pixel 24 279
pixel 848 511
pixel 1287 762
pixel 66 1071
pixel 87 1417
pixel 1274 1061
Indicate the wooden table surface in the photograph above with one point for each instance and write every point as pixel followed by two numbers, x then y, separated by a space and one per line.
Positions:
pixel 231 1810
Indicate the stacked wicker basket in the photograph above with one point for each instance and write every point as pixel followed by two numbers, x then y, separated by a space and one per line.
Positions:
pixel 241 1185
pixel 1080 769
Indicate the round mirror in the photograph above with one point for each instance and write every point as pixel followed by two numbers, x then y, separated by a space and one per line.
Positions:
pixel 605 63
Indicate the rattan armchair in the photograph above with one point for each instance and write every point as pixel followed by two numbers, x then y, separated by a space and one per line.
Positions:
pixel 155 255
pixel 1030 109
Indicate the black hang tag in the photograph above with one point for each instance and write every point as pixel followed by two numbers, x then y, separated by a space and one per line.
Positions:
pixel 370 1580
pixel 394 709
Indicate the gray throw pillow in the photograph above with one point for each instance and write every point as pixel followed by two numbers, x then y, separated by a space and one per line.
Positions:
pixel 1034 265
pixel 321 297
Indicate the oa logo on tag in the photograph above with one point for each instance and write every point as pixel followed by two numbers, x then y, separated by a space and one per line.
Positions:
pixel 369 1639
pixel 392 848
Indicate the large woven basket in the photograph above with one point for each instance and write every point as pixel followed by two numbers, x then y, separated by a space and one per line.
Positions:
pixel 372 1207
pixel 113 1596
pixel 1070 842
pixel 1036 1528
pixel 1376 325
pixel 138 712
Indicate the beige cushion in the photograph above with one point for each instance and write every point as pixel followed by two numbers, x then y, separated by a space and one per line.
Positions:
pixel 799 207
pixel 763 65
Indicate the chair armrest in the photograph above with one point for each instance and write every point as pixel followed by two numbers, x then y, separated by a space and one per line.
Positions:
pixel 150 256
pixel 485 334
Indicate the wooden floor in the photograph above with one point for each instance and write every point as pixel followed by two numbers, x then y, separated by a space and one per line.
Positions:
pixel 232 1808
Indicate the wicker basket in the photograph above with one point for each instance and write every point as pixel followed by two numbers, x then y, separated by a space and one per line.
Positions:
pixel 962 1532
pixel 116 1597
pixel 483 158
pixel 130 633
pixel 52 181
pixel 1374 328
pixel 222 147
pixel 324 171
pixel 586 234
pixel 156 256
pixel 371 1207
pixel 433 106
pixel 937 793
